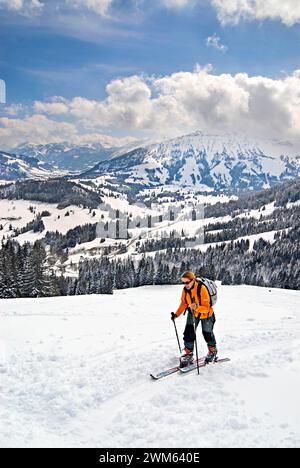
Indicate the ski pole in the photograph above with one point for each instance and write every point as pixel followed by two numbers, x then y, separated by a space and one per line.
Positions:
pixel 196 344
pixel 177 336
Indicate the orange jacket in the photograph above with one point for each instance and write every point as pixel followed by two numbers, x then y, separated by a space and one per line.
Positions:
pixel 187 298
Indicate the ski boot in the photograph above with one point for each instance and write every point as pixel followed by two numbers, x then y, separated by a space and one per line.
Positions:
pixel 187 358
pixel 212 355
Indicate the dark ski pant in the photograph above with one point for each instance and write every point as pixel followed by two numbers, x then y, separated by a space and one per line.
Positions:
pixel 207 331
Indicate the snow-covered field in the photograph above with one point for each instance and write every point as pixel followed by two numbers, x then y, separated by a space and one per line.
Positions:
pixel 17 213
pixel 75 372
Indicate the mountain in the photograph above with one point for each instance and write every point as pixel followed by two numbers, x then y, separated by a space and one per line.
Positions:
pixel 13 167
pixel 67 157
pixel 203 161
pixel 73 158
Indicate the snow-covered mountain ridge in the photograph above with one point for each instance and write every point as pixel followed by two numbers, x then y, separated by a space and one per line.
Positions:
pixel 76 158
pixel 65 156
pixel 212 161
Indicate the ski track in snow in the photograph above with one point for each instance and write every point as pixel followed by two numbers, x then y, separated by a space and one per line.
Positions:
pixel 75 372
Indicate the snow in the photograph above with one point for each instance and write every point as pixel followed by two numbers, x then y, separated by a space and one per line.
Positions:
pixel 18 213
pixel 19 210
pixel 27 168
pixel 188 193
pixel 222 153
pixel 269 209
pixel 267 236
pixel 190 173
pixel 75 372
pixel 294 204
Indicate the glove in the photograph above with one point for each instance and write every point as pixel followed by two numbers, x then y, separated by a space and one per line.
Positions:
pixel 173 316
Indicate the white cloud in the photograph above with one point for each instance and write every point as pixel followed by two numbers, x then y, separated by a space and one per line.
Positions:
pixel 176 3
pixel 36 128
pixel 14 109
pixel 228 11
pixel 39 129
pixel 22 6
pixel 175 104
pixel 101 7
pixel 51 108
pixel 215 42
pixel 198 100
pixel 232 11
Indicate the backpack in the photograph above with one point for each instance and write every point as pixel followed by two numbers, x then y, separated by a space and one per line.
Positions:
pixel 211 288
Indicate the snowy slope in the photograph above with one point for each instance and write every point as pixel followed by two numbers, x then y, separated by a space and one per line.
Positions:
pixel 17 213
pixel 75 372
pixel 199 160
pixel 14 167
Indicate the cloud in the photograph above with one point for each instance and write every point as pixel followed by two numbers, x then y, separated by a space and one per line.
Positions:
pixel 26 7
pixel 22 6
pixel 39 129
pixel 14 109
pixel 233 11
pixel 100 7
pixel 51 108
pixel 183 102
pixel 228 11
pixel 176 3
pixel 215 42
pixel 194 100
pixel 36 128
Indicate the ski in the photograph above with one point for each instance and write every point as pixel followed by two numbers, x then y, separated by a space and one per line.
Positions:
pixel 193 366
pixel 173 370
pixel 164 373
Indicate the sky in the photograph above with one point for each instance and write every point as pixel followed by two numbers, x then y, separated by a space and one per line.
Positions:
pixel 84 70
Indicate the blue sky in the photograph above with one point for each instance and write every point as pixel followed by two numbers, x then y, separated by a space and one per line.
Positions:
pixel 76 48
pixel 46 57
